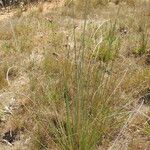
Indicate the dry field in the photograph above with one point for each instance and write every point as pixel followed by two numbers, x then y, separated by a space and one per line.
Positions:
pixel 75 75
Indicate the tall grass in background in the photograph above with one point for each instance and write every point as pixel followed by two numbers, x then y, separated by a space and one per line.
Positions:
pixel 96 3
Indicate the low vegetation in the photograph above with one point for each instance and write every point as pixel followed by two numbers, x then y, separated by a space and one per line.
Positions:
pixel 85 68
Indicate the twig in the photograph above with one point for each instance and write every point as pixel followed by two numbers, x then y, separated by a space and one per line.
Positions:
pixel 7 74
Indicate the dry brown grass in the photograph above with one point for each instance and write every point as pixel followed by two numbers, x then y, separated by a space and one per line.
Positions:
pixel 72 102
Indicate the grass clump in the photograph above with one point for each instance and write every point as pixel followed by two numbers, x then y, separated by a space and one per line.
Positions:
pixel 109 47
pixel 142 46
pixel 81 108
pixel 73 97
